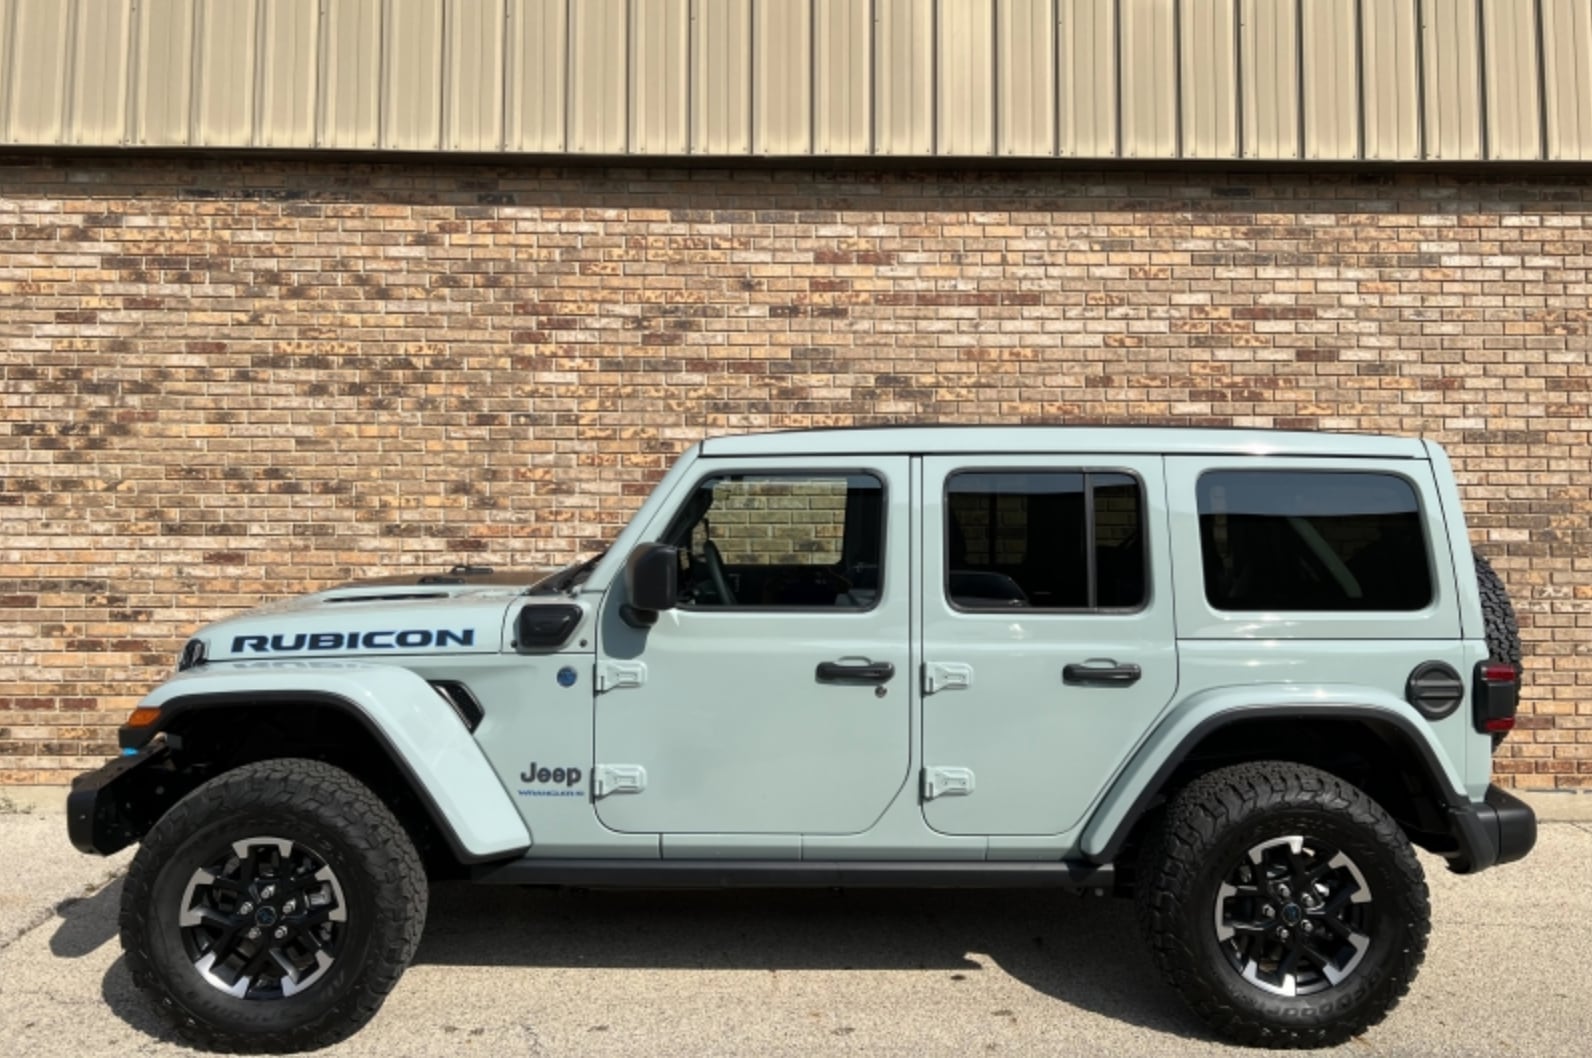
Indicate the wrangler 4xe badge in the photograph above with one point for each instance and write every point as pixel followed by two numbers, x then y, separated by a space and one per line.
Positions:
pixel 406 639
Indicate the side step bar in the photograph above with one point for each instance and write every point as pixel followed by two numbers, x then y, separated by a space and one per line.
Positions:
pixel 789 874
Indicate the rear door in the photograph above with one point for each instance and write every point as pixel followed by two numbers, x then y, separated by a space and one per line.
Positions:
pixel 1048 640
pixel 775 698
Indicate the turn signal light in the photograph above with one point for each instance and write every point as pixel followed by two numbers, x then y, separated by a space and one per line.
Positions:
pixel 143 716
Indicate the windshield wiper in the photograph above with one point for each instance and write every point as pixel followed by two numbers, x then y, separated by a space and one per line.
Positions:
pixel 570 576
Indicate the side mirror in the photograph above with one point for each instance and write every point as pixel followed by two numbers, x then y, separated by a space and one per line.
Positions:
pixel 652 576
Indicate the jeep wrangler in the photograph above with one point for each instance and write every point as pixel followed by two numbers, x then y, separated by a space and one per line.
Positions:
pixel 1232 675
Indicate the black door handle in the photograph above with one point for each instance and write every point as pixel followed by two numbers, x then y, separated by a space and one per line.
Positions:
pixel 855 672
pixel 1101 673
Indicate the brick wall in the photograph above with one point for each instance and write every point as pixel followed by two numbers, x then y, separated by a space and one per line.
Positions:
pixel 241 378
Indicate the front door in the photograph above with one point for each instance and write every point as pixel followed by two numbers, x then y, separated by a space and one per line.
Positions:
pixel 775 698
pixel 1047 634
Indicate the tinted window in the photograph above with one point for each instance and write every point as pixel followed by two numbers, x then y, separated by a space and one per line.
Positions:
pixel 783 541
pixel 1281 540
pixel 1050 540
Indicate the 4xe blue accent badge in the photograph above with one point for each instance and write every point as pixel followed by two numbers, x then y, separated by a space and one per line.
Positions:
pixel 566 677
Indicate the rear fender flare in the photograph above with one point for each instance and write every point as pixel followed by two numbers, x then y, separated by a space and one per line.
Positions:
pixel 1150 768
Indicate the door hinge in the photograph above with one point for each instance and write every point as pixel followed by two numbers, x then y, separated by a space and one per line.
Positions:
pixel 946 676
pixel 616 779
pixel 947 782
pixel 612 675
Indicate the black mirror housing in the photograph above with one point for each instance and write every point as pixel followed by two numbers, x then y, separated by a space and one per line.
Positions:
pixel 652 578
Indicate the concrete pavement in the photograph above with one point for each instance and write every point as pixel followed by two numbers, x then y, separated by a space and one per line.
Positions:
pixel 510 972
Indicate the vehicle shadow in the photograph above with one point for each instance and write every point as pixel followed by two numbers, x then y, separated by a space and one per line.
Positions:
pixel 1084 952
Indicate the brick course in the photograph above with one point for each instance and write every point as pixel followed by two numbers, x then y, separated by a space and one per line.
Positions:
pixel 241 378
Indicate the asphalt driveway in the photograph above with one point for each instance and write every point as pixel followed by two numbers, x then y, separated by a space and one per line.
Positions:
pixel 509 972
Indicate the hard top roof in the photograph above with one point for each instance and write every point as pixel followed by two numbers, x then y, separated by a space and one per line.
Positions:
pixel 1022 440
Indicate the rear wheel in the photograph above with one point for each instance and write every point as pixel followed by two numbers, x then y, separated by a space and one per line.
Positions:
pixel 273 908
pixel 1284 905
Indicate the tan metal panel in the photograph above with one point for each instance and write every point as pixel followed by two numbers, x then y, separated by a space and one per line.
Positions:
pixel 1149 79
pixel 350 74
pixel 224 94
pixel 599 76
pixel 411 96
pixel 843 85
pixel 538 75
pixel 287 73
pixel 1328 72
pixel 1086 80
pixel 903 77
pixel 1452 65
pixel 1567 78
pixel 99 75
pixel 163 74
pixel 965 63
pixel 472 91
pixel 659 68
pixel 1510 31
pixel 782 77
pixel 1209 86
pixel 1269 41
pixel 1390 58
pixel 721 76
pixel 37 86
pixel 1025 77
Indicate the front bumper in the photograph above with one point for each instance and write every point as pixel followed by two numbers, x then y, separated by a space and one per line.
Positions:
pixel 1500 829
pixel 114 805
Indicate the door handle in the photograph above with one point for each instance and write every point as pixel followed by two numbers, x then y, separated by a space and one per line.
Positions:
pixel 1102 673
pixel 863 671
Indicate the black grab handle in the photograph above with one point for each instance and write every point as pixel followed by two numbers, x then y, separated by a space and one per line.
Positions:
pixel 1107 674
pixel 855 672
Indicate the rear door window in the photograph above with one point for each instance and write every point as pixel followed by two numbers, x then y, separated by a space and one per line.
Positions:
pixel 1312 540
pixel 1045 540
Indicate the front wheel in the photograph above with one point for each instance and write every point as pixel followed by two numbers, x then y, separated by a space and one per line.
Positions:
pixel 1284 904
pixel 273 908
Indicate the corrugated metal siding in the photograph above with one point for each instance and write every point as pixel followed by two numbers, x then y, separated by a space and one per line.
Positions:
pixel 1087 83
pixel 1451 62
pixel 1387 80
pixel 1567 68
pixel 1390 66
pixel 1025 59
pixel 903 120
pixel 1269 65
pixel 782 69
pixel 660 55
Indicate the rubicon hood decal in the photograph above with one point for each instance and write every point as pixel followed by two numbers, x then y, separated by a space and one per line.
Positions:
pixel 402 639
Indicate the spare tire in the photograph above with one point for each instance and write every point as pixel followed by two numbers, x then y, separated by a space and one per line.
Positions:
pixel 1502 630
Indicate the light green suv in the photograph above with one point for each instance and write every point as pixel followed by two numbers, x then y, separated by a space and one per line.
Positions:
pixel 1234 675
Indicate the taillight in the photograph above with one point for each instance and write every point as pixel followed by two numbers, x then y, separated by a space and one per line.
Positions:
pixel 1496 696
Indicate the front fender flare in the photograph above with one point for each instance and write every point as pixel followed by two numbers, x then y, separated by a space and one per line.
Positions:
pixel 420 732
pixel 1137 786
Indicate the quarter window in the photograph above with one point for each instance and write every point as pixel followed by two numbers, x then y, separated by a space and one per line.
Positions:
pixel 1047 540
pixel 1312 540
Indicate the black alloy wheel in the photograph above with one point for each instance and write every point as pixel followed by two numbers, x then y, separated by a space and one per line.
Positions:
pixel 264 919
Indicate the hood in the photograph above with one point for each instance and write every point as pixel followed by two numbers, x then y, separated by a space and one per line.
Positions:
pixel 445 614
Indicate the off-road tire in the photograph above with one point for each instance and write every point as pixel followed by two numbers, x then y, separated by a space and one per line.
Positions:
pixel 304 801
pixel 1502 630
pixel 1207 829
